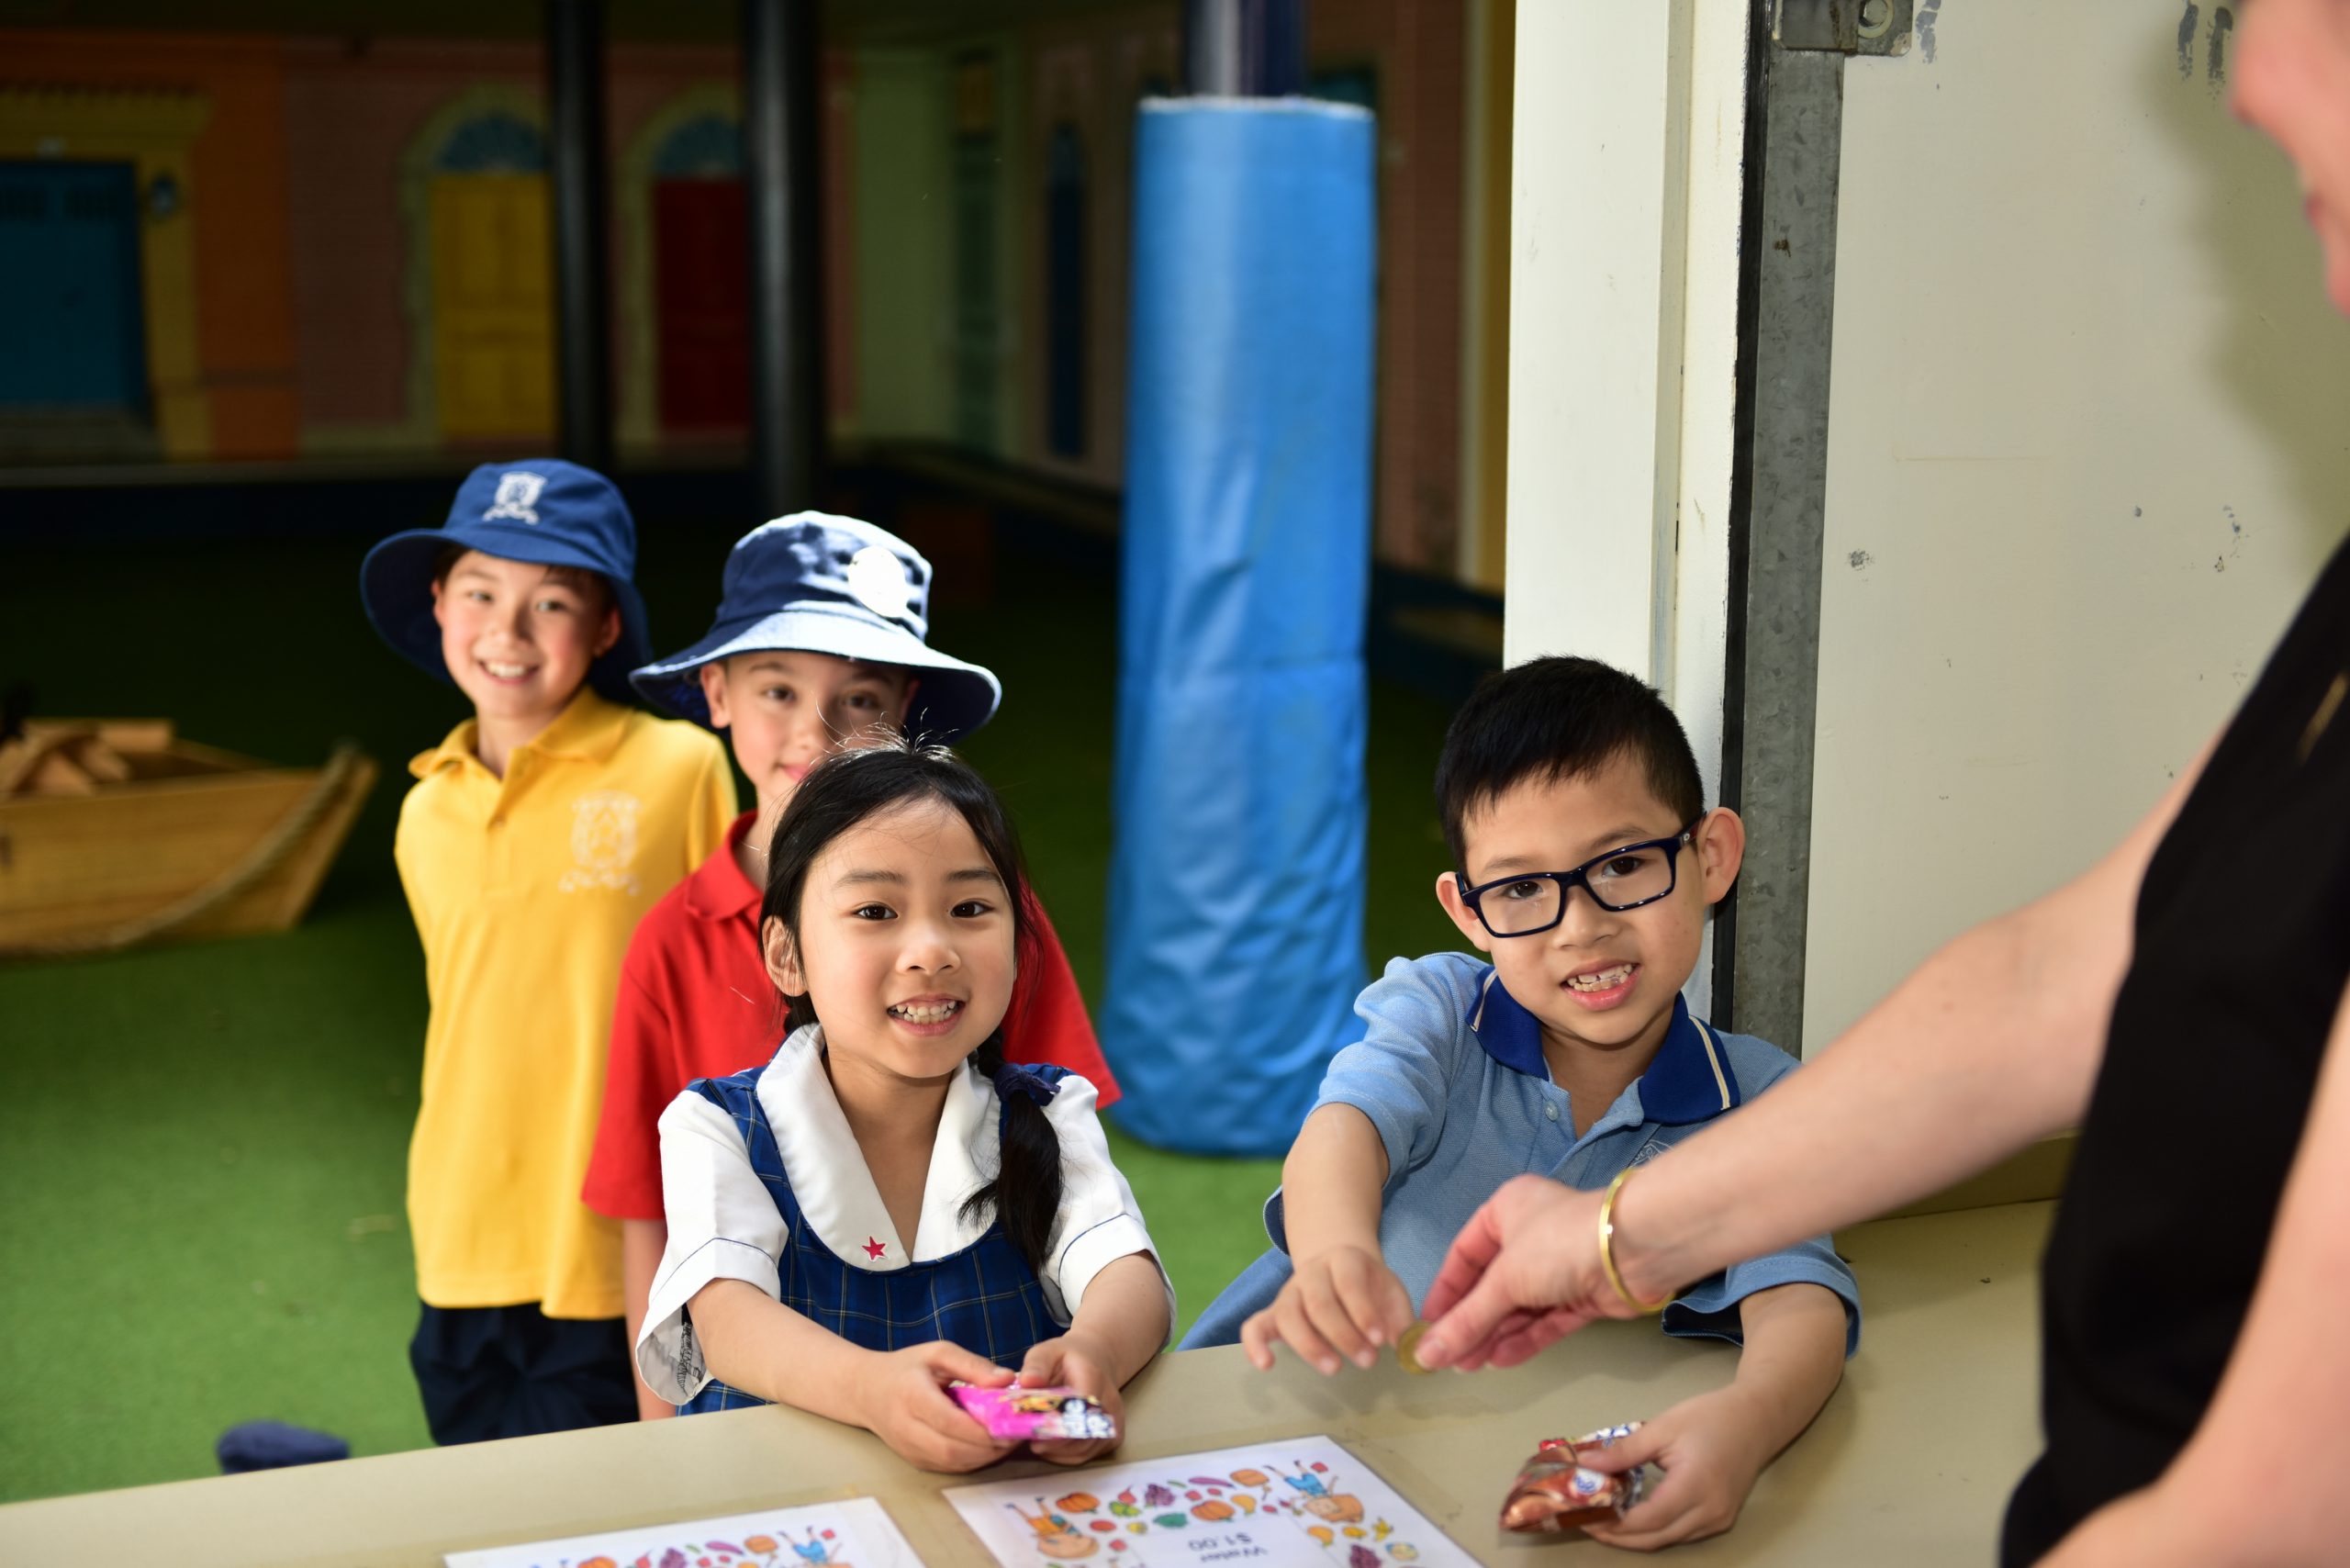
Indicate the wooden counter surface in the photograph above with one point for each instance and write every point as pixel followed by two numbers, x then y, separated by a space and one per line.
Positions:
pixel 1911 1461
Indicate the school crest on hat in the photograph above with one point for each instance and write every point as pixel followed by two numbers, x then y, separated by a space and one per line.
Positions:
pixel 818 583
pixel 541 511
pixel 882 582
pixel 517 498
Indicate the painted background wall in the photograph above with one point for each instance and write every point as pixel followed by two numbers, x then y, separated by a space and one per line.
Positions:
pixel 976 235
pixel 243 378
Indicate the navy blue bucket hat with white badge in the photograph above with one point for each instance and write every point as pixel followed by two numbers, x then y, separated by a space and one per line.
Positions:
pixel 543 511
pixel 820 584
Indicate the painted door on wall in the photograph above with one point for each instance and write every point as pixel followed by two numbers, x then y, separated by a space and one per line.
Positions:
pixel 1066 302
pixel 702 301
pixel 978 319
pixel 73 333
pixel 493 305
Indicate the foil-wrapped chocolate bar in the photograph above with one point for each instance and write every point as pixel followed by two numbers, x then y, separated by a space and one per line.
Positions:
pixel 1553 1494
pixel 1021 1414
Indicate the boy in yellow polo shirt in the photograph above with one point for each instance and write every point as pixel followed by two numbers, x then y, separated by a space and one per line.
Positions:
pixel 536 836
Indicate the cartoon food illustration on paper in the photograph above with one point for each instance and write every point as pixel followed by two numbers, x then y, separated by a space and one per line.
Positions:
pixel 1056 1537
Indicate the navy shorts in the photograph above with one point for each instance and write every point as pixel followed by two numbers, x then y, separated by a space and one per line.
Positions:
pixel 513 1371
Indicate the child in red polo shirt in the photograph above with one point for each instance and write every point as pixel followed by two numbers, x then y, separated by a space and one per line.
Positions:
pixel 818 646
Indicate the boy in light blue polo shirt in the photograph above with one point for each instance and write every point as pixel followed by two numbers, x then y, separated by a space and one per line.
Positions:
pixel 1586 866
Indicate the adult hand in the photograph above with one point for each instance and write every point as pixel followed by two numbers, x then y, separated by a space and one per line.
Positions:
pixel 905 1404
pixel 1072 1361
pixel 1524 1271
pixel 1343 1300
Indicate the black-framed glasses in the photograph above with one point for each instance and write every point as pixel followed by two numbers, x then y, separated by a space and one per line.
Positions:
pixel 1527 902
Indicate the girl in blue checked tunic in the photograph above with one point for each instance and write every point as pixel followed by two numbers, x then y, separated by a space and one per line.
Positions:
pixel 888 1205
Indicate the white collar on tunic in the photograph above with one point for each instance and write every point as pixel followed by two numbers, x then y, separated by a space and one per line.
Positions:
pixel 827 1170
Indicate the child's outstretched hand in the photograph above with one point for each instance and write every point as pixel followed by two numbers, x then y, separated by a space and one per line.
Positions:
pixel 1342 1301
pixel 905 1404
pixel 1710 1449
pixel 1072 1361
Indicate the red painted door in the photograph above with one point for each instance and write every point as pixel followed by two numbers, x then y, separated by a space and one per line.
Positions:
pixel 701 269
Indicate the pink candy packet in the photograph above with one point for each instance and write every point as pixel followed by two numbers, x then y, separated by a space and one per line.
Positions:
pixel 1018 1414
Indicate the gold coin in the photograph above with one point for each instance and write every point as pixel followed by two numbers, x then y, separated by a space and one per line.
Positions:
pixel 1406 1346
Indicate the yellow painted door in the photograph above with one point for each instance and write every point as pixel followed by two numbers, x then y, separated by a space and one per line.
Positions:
pixel 493 305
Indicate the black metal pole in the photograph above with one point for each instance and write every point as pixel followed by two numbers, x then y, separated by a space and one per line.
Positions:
pixel 780 85
pixel 1244 49
pixel 582 278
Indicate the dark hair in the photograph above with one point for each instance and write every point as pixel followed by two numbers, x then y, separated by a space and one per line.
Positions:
pixel 849 788
pixel 593 584
pixel 1559 718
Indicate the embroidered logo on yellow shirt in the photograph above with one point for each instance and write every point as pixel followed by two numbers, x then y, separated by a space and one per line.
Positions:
pixel 603 842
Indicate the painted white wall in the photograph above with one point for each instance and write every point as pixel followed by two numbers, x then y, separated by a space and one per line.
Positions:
pixel 1590 282
pixel 1626 165
pixel 2088 450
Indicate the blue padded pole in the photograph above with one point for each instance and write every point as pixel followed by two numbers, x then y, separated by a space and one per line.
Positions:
pixel 1236 889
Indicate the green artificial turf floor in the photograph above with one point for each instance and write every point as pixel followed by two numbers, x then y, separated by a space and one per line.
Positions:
pixel 202 1149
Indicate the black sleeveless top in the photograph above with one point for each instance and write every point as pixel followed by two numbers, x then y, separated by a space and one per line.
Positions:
pixel 2243 942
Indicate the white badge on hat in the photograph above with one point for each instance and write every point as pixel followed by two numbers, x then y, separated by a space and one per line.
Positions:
pixel 518 497
pixel 881 583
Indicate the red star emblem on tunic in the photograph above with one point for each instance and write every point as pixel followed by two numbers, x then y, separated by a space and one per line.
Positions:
pixel 875 1249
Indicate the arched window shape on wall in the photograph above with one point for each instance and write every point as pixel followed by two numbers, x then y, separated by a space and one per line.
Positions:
pixel 71 311
pixel 1064 293
pixel 493 297
pixel 701 279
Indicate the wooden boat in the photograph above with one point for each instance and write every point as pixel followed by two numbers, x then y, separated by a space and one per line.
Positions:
pixel 116 833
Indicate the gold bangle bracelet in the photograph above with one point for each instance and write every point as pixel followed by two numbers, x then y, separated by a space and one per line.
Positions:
pixel 1607 1249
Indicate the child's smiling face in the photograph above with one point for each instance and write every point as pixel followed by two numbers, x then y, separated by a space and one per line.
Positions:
pixel 905 945
pixel 520 639
pixel 785 712
pixel 1599 980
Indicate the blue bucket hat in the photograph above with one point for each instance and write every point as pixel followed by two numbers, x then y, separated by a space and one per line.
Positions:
pixel 543 511
pixel 814 582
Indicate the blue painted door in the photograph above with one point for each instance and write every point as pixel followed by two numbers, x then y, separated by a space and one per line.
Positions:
pixel 71 329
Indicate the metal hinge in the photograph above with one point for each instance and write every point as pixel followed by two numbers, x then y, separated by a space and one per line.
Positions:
pixel 1843 27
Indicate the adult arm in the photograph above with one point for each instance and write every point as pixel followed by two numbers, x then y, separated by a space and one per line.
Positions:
pixel 1993 1042
pixel 642 1244
pixel 2259 1485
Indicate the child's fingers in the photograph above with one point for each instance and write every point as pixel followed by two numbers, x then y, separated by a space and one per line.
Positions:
pixel 1330 1302
pixel 950 1359
pixel 1390 1308
pixel 1257 1336
pixel 1041 1367
pixel 1374 1301
pixel 1641 1446
pixel 953 1430
pixel 926 1444
pixel 1618 1533
pixel 1679 1509
pixel 1071 1450
pixel 1297 1328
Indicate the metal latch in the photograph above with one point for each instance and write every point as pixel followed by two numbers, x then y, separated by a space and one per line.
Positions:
pixel 1843 27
